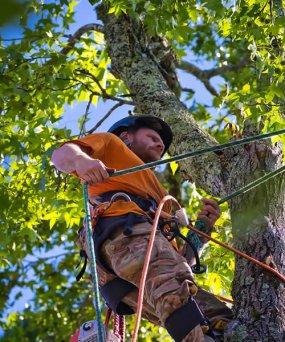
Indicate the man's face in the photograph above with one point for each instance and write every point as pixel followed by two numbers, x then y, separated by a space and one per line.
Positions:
pixel 146 144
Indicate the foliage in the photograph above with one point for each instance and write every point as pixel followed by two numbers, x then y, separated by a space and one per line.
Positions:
pixel 41 209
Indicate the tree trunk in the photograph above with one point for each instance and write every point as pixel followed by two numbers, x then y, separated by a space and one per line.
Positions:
pixel 258 229
pixel 258 217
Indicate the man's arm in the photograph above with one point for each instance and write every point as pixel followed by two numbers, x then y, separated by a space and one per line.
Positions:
pixel 71 157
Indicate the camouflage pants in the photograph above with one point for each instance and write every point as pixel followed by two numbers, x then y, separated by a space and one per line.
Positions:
pixel 169 282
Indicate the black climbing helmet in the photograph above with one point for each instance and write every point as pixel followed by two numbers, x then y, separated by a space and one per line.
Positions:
pixel 148 121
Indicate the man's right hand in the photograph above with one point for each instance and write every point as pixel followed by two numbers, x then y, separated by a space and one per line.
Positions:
pixel 93 171
pixel 71 157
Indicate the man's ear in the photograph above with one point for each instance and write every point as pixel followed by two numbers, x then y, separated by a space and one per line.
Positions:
pixel 125 137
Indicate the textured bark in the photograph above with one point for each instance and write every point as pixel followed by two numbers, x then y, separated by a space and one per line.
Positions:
pixel 258 217
pixel 258 228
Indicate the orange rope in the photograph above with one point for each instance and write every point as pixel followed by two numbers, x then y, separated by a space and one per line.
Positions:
pixel 146 263
pixel 259 263
pixel 223 299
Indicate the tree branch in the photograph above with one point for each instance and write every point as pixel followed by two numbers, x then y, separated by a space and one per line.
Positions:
pixel 73 39
pixel 85 116
pixel 99 123
pixel 104 94
pixel 205 75
pixel 200 74
pixel 227 68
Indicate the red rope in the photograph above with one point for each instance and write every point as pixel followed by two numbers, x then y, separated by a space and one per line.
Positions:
pixel 116 325
pixel 108 316
pixel 122 324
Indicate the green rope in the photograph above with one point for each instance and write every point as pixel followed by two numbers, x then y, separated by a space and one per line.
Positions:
pixel 96 300
pixel 253 184
pixel 198 152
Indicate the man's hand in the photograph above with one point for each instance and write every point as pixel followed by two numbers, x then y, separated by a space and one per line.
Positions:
pixel 209 212
pixel 71 157
pixel 91 170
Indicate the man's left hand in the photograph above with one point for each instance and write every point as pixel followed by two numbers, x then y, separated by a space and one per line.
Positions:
pixel 209 212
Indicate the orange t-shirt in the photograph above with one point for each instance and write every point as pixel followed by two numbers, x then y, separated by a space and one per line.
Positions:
pixel 108 148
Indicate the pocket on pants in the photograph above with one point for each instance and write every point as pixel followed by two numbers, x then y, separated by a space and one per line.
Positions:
pixel 127 256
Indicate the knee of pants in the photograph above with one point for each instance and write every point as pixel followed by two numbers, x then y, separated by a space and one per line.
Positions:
pixel 184 320
pixel 171 295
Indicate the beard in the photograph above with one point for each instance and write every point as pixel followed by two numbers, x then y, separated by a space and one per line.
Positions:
pixel 147 155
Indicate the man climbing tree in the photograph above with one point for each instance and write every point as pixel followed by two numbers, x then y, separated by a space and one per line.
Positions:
pixel 123 229
pixel 131 55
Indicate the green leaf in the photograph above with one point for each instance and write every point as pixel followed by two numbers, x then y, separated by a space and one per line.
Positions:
pixel 277 90
pixel 174 167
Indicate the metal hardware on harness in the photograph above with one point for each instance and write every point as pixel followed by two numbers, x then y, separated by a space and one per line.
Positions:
pixel 120 194
pixel 181 217
pixel 172 232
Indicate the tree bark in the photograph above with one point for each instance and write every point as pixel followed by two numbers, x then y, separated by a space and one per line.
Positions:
pixel 258 229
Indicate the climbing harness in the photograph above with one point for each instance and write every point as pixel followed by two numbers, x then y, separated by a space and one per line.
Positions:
pixel 101 335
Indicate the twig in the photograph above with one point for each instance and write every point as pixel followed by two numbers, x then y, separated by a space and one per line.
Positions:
pixel 73 39
pixel 263 8
pixel 85 72
pixel 85 115
pixel 104 95
pixel 11 39
pixel 99 123
pixel 219 121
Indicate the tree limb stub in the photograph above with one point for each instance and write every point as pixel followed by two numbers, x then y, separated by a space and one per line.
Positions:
pixel 132 64
pixel 73 39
